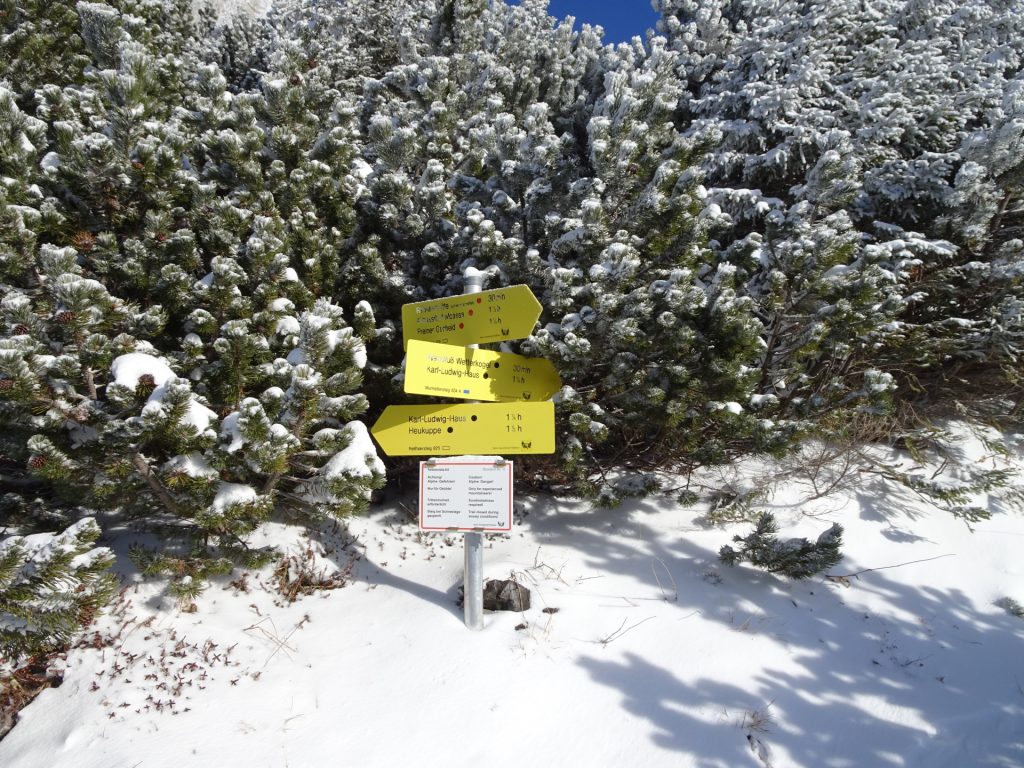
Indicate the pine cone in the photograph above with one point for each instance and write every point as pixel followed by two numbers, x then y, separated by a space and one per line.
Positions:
pixel 145 385
pixel 6 385
pixel 83 241
pixel 65 317
pixel 37 462
pixel 20 329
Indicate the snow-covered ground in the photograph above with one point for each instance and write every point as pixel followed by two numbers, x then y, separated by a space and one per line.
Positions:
pixel 639 649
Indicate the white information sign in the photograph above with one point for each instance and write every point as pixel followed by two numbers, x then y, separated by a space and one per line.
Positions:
pixel 466 493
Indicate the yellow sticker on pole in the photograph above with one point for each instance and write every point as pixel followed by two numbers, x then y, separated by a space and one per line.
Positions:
pixel 477 374
pixel 501 314
pixel 466 428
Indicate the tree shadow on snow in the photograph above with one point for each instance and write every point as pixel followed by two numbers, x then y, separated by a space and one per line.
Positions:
pixel 377 575
pixel 912 683
pixel 342 548
pixel 693 719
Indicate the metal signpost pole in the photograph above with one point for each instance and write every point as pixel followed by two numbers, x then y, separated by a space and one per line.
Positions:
pixel 473 577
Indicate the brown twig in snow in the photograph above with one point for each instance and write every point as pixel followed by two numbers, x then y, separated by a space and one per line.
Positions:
pixel 844 579
pixel 620 631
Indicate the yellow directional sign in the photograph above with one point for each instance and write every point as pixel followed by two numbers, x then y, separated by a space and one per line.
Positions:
pixel 477 374
pixel 473 318
pixel 466 428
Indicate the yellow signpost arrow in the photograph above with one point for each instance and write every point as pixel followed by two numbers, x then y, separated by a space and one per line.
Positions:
pixel 500 314
pixel 477 374
pixel 466 428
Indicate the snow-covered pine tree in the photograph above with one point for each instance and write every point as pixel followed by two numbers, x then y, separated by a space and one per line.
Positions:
pixel 972 321
pixel 736 229
pixel 653 339
pixel 30 32
pixel 875 113
pixel 162 351
pixel 51 585
pixel 502 140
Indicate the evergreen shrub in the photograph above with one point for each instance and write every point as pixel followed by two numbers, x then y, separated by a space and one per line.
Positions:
pixel 768 218
pixel 795 558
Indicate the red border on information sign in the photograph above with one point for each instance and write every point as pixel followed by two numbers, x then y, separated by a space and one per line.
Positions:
pixel 424 465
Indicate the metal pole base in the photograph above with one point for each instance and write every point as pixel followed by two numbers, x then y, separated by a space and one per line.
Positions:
pixel 473 581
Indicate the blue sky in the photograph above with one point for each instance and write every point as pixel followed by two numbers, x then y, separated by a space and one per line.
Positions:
pixel 621 19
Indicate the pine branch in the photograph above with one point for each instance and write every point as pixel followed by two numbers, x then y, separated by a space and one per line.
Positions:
pixel 997 222
pixel 154 483
pixel 20 483
pixel 90 383
pixel 273 479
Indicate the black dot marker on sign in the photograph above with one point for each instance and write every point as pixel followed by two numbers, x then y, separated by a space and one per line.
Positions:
pixel 450 430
